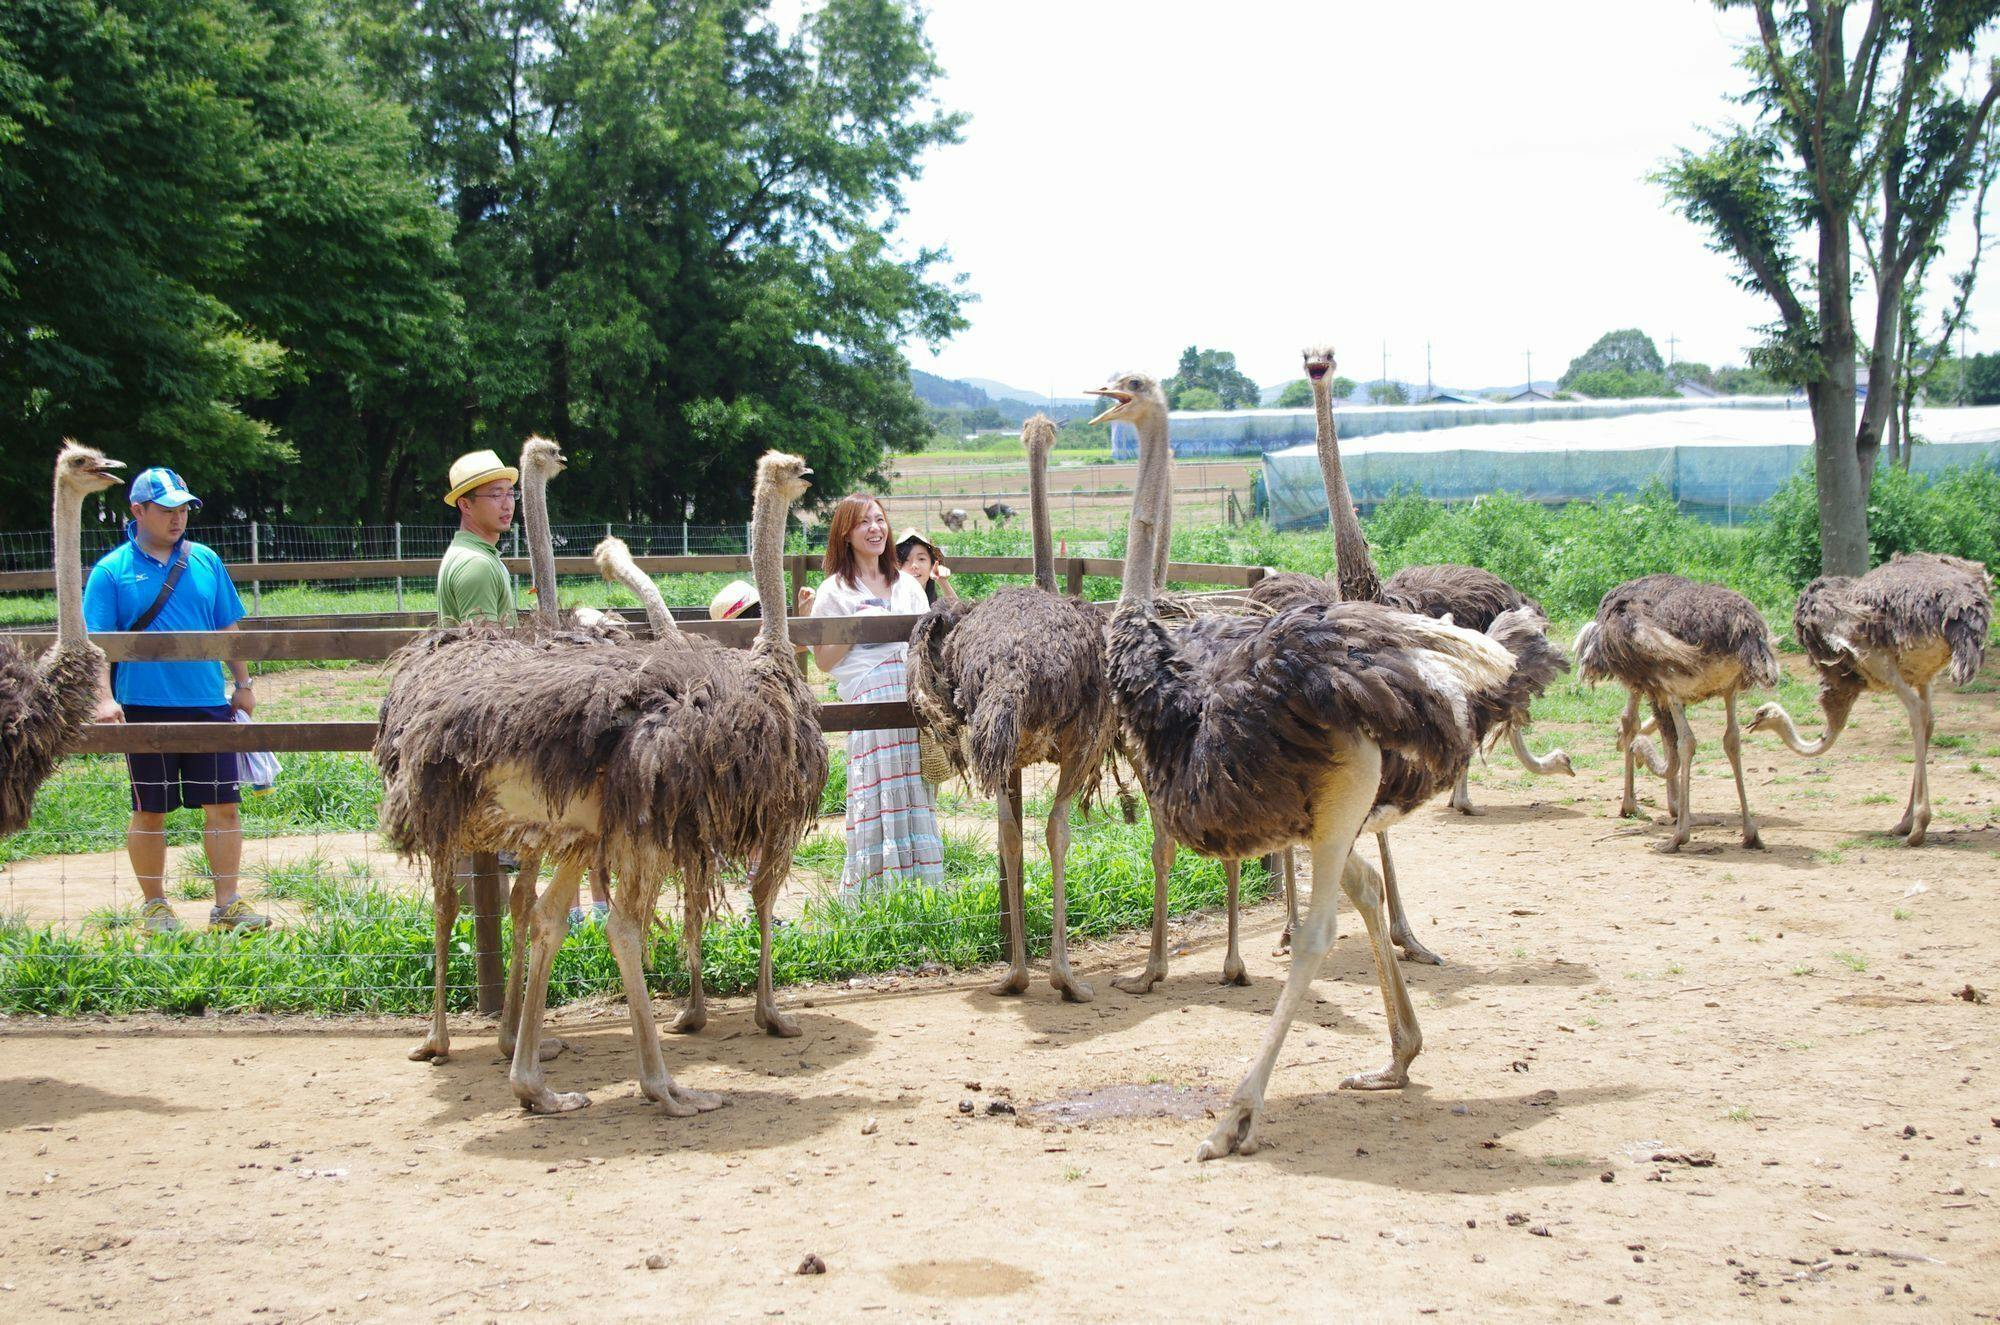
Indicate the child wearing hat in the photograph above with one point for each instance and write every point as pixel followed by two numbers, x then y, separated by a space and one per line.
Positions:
pixel 923 561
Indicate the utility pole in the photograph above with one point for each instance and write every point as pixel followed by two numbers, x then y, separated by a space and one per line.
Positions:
pixel 1430 389
pixel 1673 343
pixel 1385 368
pixel 1531 368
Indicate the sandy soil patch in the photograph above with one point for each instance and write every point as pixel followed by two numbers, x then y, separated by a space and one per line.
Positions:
pixel 1724 1084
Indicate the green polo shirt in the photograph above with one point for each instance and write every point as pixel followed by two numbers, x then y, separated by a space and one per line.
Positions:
pixel 473 583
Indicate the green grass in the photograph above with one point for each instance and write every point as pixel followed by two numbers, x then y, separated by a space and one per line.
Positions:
pixel 359 949
pixel 1852 961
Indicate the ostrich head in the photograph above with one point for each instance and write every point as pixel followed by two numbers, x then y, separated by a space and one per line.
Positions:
pixel 787 475
pixel 542 458
pixel 1319 361
pixel 1766 718
pixel 1132 397
pixel 83 470
pixel 1038 434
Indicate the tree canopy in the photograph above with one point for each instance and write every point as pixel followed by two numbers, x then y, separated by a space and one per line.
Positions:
pixel 278 241
pixel 1215 372
pixel 1619 353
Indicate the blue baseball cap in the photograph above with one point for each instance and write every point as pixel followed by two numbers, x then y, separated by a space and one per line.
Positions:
pixel 162 487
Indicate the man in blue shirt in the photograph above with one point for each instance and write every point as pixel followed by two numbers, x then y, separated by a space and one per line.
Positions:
pixel 122 587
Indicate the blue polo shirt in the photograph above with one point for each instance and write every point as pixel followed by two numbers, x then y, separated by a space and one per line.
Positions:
pixel 125 583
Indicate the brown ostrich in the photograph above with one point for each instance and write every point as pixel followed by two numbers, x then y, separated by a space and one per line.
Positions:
pixel 1466 595
pixel 650 761
pixel 955 518
pixel 1278 737
pixel 1893 629
pixel 45 704
pixel 1678 642
pixel 1012 680
pixel 433 662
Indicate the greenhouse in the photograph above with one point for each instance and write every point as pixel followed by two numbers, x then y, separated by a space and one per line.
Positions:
pixel 1716 462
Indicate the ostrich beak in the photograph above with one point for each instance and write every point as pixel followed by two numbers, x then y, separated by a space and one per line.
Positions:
pixel 1119 399
pixel 1316 370
pixel 106 467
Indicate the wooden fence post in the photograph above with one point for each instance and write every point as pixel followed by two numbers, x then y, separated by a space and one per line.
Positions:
pixel 488 902
pixel 1073 578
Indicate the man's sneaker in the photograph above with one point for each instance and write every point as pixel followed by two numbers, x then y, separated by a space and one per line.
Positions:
pixel 236 916
pixel 158 917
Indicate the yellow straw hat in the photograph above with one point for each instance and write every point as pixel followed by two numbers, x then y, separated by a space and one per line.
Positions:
pixel 732 600
pixel 474 468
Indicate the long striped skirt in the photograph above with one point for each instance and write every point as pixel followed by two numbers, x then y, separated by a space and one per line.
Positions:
pixel 892 831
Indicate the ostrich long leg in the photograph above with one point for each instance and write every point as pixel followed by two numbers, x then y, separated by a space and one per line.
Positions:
pixel 1155 970
pixel 1669 767
pixel 1232 964
pixel 1291 905
pixel 436 1047
pixel 1683 776
pixel 1628 733
pixel 1461 793
pixel 625 929
pixel 1073 989
pixel 1916 819
pixel 694 1014
pixel 1399 924
pixel 1349 791
pixel 1011 889
pixel 550 923
pixel 1732 745
pixel 520 903
pixel 772 869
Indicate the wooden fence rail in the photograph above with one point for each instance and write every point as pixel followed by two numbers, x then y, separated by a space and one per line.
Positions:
pixel 275 572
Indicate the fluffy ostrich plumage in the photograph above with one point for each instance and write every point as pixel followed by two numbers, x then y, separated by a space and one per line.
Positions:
pixel 1914 604
pixel 1013 679
pixel 1675 639
pixel 46 704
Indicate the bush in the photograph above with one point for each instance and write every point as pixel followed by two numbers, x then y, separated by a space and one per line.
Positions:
pixel 1957 513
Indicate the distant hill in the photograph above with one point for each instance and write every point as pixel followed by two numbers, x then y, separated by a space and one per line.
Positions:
pixel 945 393
pixel 1002 391
pixel 999 404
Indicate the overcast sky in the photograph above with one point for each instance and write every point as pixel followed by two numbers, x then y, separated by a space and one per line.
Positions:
pixel 1252 175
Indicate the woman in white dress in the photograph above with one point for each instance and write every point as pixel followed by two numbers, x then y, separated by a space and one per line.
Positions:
pixel 892 831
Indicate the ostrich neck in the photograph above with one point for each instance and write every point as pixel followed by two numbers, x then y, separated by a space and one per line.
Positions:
pixel 1789 734
pixel 69 566
pixel 767 554
pixel 541 546
pixel 1142 539
pixel 1163 551
pixel 1354 565
pixel 1038 519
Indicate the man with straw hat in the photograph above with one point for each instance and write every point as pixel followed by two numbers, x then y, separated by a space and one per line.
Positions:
pixel 472 580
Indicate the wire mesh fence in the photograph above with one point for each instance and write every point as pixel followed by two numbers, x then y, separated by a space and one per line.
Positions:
pixel 351 923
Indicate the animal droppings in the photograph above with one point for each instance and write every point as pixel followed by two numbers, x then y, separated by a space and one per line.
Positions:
pixel 811 1265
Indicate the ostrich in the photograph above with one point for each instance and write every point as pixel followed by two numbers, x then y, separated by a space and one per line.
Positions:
pixel 646 760
pixel 435 664
pixel 999 512
pixel 1678 642
pixel 1016 679
pixel 954 519
pixel 1894 629
pixel 1277 735
pixel 1465 595
pixel 45 704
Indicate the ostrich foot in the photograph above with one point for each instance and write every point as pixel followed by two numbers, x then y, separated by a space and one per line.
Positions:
pixel 1628 809
pixel 1675 842
pixel 1753 839
pixel 431 1051
pixel 1413 951
pixel 545 1052
pixel 1916 837
pixel 693 1017
pixel 1391 1077
pixel 1235 1133
pixel 1073 990
pixel 1233 972
pixel 1466 807
pixel 1911 828
pixel 538 1098
pixel 677 1101
pixel 1140 982
pixel 773 1022
pixel 1014 982
pixel 1284 948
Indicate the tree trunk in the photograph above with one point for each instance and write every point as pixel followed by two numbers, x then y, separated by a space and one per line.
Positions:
pixel 1838 475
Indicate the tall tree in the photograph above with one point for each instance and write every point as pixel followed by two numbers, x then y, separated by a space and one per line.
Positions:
pixel 1620 353
pixel 674 227
pixel 1838 115
pixel 1215 371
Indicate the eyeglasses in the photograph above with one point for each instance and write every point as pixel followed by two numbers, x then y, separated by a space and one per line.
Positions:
pixel 510 496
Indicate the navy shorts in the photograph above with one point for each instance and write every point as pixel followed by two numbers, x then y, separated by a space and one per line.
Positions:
pixel 171 782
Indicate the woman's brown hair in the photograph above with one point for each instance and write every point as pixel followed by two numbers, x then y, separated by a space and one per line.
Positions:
pixel 840 558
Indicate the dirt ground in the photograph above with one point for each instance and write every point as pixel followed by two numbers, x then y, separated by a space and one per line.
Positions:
pixel 1724 1084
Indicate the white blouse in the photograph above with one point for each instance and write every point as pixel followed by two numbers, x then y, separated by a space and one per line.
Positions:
pixel 838 597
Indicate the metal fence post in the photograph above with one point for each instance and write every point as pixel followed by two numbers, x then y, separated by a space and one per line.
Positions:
pixel 256 586
pixel 487 904
pixel 399 557
pixel 684 538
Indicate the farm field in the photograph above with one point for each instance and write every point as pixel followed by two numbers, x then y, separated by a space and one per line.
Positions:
pixel 1725 1084
pixel 1088 494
